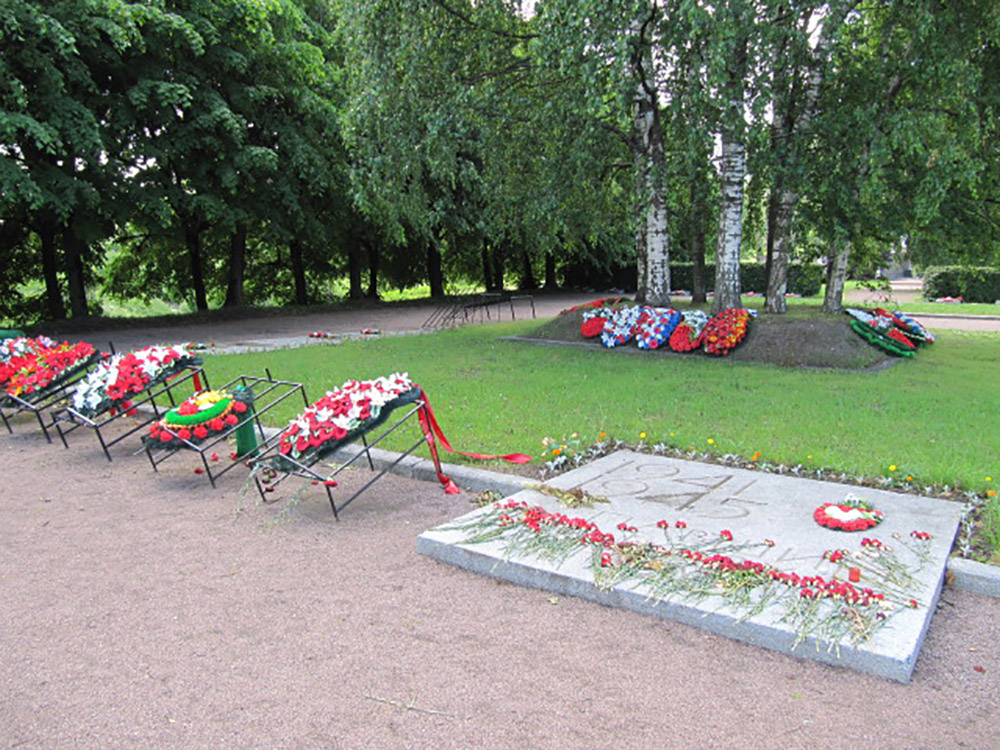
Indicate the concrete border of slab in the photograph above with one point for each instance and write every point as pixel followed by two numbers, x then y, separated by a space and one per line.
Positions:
pixel 976 577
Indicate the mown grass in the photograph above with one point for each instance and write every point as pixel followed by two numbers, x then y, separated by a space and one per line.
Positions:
pixel 937 308
pixel 932 417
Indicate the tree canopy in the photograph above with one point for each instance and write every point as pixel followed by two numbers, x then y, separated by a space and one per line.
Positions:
pixel 231 152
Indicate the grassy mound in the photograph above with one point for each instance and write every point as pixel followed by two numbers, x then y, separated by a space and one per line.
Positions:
pixel 803 338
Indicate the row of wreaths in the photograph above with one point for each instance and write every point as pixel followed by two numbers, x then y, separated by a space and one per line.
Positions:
pixel 663 327
pixel 32 369
pixel 690 330
pixel 95 384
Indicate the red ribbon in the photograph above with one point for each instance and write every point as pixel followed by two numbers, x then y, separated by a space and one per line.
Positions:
pixel 431 429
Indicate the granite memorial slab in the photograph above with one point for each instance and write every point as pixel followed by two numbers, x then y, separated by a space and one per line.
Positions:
pixel 771 514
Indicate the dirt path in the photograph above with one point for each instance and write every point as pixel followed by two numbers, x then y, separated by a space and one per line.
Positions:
pixel 147 610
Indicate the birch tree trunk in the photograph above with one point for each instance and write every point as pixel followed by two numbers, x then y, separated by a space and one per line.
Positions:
pixel 730 238
pixel 652 242
pixel 836 274
pixel 777 278
pixel 733 171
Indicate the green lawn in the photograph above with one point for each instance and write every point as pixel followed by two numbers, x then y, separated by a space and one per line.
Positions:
pixel 932 417
pixel 940 308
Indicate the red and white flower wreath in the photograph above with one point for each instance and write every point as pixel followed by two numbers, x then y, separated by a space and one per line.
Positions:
pixel 853 514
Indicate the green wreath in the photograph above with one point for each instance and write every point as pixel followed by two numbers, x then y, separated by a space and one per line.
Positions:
pixel 877 338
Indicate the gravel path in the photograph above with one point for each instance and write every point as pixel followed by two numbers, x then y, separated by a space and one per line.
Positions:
pixel 147 610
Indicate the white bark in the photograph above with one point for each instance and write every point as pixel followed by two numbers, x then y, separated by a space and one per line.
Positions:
pixel 652 221
pixel 730 237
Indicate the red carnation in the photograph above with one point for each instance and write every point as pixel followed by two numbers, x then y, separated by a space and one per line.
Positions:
pixel 200 432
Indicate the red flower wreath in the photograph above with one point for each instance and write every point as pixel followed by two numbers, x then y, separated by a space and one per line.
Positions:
pixel 685 338
pixel 854 514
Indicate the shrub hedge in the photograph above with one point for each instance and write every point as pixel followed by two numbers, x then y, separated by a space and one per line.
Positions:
pixel 971 283
pixel 804 280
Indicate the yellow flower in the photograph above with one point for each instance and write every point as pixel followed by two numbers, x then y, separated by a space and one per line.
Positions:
pixel 711 441
pixel 989 479
pixel 809 457
pixel 642 435
pixel 892 467
pixel 672 434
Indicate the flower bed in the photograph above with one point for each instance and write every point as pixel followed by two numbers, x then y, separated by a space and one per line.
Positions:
pixel 112 384
pixel 200 417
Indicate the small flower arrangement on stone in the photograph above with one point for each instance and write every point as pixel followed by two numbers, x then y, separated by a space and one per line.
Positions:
pixel 203 415
pixel 853 514
pixel 112 384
